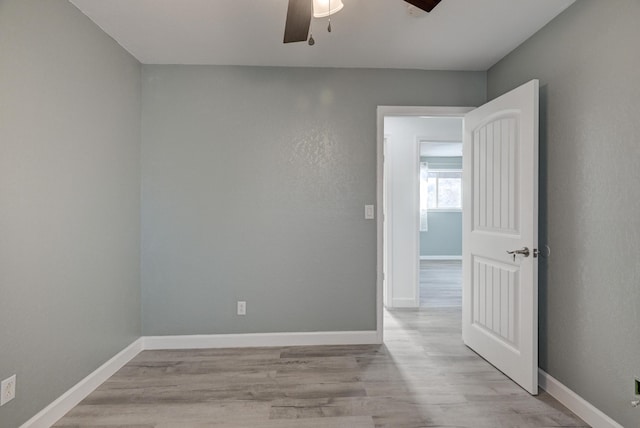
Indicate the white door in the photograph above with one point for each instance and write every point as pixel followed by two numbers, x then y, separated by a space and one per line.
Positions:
pixel 500 291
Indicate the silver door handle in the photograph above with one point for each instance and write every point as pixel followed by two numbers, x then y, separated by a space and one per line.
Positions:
pixel 524 252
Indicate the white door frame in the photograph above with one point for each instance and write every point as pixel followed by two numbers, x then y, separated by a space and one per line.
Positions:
pixel 382 112
pixel 387 219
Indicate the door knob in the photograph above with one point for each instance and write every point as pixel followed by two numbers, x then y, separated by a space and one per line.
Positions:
pixel 524 251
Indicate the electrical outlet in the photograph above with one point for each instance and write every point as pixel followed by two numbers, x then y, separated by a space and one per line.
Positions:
pixel 7 390
pixel 242 308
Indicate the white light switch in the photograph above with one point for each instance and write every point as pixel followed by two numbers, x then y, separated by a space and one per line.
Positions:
pixel 242 307
pixel 369 213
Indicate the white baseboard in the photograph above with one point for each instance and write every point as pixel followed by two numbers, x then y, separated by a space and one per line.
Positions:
pixel 67 401
pixel 404 303
pixel 440 257
pixel 261 340
pixel 572 401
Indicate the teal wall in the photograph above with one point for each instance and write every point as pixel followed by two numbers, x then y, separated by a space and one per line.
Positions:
pixel 444 237
pixel 587 62
pixel 229 210
pixel 69 200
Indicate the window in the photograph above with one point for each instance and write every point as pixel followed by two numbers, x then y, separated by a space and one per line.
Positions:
pixel 440 189
pixel 444 190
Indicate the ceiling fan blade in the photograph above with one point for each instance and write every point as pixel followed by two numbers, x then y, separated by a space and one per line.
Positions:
pixel 426 5
pixel 298 21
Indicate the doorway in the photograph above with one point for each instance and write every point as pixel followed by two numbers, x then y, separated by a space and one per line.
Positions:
pixel 440 278
pixel 500 301
pixel 405 134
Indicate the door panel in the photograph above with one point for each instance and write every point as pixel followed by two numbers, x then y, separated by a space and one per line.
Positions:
pixel 495 309
pixel 496 175
pixel 500 293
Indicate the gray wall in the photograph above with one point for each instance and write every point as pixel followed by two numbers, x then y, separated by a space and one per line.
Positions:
pixel 444 237
pixel 69 198
pixel 587 62
pixel 254 184
pixel 444 234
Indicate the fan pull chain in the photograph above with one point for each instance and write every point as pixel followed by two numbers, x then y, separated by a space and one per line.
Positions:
pixel 312 41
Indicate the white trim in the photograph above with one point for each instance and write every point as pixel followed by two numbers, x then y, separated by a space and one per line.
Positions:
pixel 443 210
pixel 261 340
pixel 578 405
pixel 426 111
pixel 440 257
pixel 431 140
pixel 381 112
pixel 67 401
pixel 405 302
pixel 416 228
pixel 387 230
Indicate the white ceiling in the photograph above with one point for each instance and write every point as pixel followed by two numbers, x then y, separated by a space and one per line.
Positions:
pixel 456 35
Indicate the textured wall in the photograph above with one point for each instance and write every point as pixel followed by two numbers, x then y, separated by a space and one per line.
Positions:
pixel 69 200
pixel 254 186
pixel 587 62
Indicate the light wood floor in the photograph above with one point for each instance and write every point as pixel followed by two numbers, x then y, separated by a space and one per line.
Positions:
pixel 440 283
pixel 423 376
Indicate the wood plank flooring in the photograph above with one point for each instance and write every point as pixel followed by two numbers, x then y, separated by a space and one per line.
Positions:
pixel 440 283
pixel 423 376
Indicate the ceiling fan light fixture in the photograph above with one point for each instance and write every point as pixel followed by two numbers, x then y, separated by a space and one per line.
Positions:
pixel 323 8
